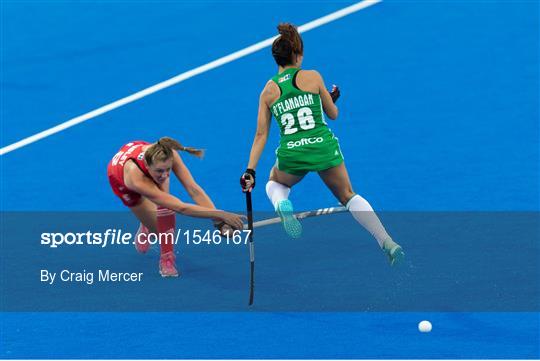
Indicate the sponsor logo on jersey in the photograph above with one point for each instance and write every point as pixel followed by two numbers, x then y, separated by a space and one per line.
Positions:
pixel 304 141
pixel 141 156
pixel 284 78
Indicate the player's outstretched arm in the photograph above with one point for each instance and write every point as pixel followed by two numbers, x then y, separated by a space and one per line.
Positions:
pixel 195 191
pixel 263 125
pixel 144 186
pixel 247 180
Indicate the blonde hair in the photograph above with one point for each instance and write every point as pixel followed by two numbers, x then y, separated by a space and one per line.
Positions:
pixel 163 150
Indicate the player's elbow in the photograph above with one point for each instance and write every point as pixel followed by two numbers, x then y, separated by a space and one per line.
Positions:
pixel 261 135
pixel 333 113
pixel 167 201
pixel 194 190
pixel 181 208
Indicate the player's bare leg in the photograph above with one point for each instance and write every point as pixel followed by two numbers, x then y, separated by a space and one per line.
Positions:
pixel 162 222
pixel 337 180
pixel 145 211
pixel 166 225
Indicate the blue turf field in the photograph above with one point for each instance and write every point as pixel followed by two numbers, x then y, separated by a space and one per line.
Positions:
pixel 439 112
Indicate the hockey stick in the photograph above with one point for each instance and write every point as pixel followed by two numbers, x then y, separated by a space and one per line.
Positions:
pixel 302 215
pixel 251 248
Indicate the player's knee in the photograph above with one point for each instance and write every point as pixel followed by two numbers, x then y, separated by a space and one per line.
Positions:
pixel 346 196
pixel 272 175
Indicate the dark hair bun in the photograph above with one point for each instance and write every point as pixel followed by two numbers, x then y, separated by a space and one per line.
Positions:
pixel 287 30
pixel 288 44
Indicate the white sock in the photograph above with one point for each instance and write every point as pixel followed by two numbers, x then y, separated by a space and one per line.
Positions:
pixel 277 192
pixel 364 214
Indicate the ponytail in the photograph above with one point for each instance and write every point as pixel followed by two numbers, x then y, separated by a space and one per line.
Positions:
pixel 287 45
pixel 163 150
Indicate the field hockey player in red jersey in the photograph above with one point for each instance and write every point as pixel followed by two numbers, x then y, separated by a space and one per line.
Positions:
pixel 139 175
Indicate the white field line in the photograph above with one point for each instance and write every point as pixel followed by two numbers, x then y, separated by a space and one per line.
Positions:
pixel 184 76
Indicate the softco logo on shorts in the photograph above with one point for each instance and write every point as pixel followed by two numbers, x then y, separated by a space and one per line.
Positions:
pixel 304 141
